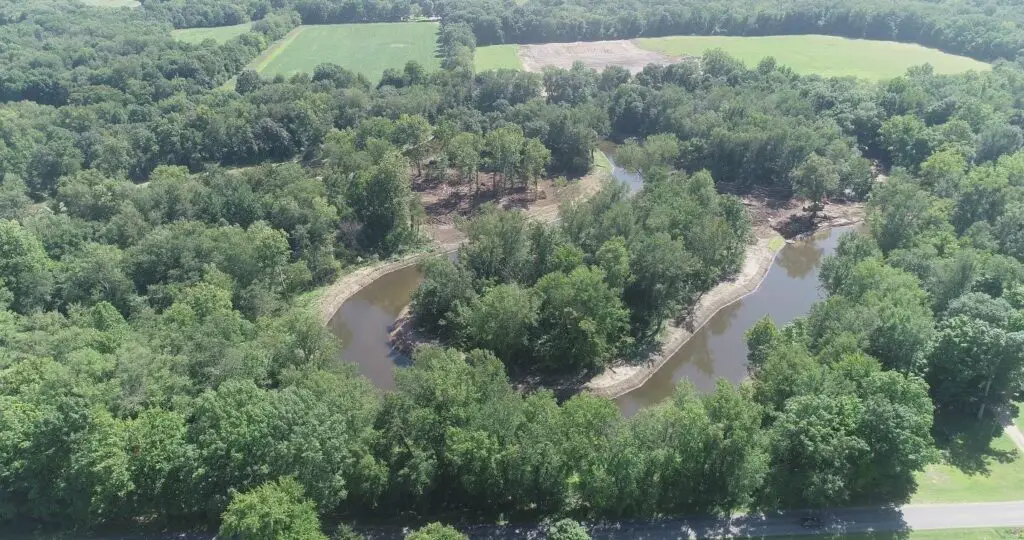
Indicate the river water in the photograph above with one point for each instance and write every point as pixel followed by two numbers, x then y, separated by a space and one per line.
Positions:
pixel 364 322
pixel 718 349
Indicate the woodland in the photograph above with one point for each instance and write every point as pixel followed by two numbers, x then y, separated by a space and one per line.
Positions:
pixel 165 214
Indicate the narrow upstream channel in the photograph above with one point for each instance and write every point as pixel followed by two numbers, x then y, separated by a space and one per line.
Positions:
pixel 363 323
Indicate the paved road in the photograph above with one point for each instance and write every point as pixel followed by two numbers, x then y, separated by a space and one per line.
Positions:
pixel 911 517
pixel 860 520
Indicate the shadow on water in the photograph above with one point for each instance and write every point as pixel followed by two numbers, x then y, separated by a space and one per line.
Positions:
pixel 718 349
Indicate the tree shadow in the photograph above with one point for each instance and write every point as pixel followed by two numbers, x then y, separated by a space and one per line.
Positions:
pixel 966 442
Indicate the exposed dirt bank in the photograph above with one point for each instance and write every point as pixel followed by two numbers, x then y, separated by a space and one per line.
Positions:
pixel 594 54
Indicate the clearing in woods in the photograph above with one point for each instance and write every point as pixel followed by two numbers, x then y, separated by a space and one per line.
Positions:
pixel 220 34
pixel 364 48
pixel 825 55
pixel 497 57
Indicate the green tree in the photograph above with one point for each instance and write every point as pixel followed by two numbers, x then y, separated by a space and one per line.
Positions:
pixel 464 154
pixel 761 339
pixel 581 320
pixel 505 149
pixel 436 531
pixel 975 366
pixel 567 529
pixel 24 267
pixel 535 158
pixel 411 135
pixel 814 179
pixel 445 286
pixel 501 320
pixel 382 199
pixel 274 510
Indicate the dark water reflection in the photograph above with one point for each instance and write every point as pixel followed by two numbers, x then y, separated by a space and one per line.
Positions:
pixel 718 349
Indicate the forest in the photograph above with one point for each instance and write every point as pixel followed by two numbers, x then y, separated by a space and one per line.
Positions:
pixel 165 215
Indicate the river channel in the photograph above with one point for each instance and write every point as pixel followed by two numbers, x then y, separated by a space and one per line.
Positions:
pixel 364 322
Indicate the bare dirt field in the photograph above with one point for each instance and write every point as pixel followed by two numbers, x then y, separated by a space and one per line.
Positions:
pixel 445 203
pixel 594 54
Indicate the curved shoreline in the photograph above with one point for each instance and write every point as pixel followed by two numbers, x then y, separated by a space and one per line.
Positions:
pixel 330 299
pixel 616 381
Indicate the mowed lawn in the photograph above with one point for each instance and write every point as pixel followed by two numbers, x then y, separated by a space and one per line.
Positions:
pixel 1004 480
pixel 220 34
pixel 824 55
pixel 364 48
pixel 497 57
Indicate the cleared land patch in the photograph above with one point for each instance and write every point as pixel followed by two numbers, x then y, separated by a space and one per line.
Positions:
pixel 364 48
pixel 497 57
pixel 594 54
pixel 220 34
pixel 824 55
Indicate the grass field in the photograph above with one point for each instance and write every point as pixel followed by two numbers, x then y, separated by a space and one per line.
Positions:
pixel 497 57
pixel 824 55
pixel 1004 480
pixel 364 48
pixel 218 33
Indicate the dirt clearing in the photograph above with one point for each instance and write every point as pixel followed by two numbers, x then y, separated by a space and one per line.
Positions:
pixel 594 54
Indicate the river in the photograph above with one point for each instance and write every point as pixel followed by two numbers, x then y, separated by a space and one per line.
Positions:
pixel 364 322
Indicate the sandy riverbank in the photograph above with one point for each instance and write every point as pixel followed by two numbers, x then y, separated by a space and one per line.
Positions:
pixel 622 378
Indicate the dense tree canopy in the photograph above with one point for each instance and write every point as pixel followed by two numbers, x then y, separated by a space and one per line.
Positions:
pixel 159 227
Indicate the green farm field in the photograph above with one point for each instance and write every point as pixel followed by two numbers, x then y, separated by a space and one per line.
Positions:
pixel 824 55
pixel 220 34
pixel 364 48
pixel 497 57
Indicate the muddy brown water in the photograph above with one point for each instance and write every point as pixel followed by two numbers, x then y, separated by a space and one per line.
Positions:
pixel 363 325
pixel 364 322
pixel 718 349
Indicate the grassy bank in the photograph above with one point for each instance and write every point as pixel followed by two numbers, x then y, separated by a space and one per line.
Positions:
pixel 824 55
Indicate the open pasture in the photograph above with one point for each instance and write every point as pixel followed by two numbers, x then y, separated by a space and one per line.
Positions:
pixel 823 55
pixel 220 34
pixel 364 48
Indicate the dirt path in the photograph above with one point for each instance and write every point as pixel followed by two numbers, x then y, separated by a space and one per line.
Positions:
pixel 446 238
